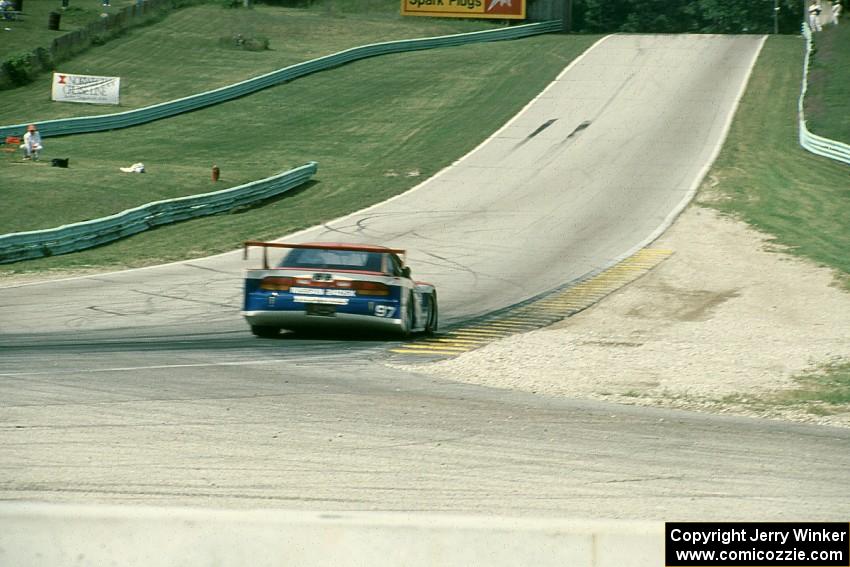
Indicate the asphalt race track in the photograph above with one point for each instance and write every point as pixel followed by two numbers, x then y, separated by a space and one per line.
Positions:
pixel 145 387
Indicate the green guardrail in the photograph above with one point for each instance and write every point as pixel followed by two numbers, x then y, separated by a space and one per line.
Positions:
pixel 138 116
pixel 79 236
pixel 812 142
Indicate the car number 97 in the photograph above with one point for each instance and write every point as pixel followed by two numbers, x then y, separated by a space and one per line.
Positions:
pixel 384 311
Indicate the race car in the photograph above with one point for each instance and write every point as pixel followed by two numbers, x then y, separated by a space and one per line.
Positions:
pixel 335 285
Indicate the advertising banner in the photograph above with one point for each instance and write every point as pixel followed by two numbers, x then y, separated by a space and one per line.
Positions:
pixel 85 88
pixel 497 9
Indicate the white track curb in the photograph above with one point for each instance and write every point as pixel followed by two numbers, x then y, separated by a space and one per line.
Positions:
pixel 46 535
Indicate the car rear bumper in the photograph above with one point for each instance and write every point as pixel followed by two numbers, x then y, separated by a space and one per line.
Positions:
pixel 299 319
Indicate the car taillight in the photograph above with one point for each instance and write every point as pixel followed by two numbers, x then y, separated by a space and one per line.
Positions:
pixel 370 288
pixel 275 283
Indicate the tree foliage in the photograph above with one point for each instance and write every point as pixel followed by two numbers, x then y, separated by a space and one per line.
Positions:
pixel 687 16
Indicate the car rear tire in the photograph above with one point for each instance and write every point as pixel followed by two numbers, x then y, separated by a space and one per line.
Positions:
pixel 407 318
pixel 265 332
pixel 433 315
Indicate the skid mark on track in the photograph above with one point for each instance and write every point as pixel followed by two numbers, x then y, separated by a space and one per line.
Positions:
pixel 542 127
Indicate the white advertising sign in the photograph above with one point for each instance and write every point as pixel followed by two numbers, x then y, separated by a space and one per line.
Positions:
pixel 85 88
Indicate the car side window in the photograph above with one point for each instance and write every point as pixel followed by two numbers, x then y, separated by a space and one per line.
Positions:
pixel 396 266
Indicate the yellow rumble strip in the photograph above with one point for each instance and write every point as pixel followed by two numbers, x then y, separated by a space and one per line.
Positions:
pixel 537 313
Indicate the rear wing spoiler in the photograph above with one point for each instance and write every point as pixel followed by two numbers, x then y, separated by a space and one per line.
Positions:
pixel 315 246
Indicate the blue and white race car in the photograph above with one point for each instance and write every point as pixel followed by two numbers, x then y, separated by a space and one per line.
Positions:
pixel 338 286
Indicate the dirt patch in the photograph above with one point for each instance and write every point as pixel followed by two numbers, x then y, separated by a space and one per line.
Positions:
pixel 683 304
pixel 721 326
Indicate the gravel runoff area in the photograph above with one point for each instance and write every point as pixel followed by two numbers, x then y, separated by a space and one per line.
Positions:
pixel 727 315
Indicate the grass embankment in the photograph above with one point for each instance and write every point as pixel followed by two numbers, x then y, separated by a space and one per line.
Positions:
pixel 183 54
pixel 828 95
pixel 376 127
pixel 763 177
pixel 30 30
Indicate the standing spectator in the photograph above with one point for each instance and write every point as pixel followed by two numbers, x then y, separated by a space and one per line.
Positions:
pixel 5 7
pixel 32 143
pixel 814 16
pixel 836 11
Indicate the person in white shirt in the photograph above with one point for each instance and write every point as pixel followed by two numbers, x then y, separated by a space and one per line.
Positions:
pixel 814 17
pixel 32 143
pixel 5 7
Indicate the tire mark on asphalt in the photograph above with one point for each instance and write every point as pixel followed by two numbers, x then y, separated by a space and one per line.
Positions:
pixel 178 298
